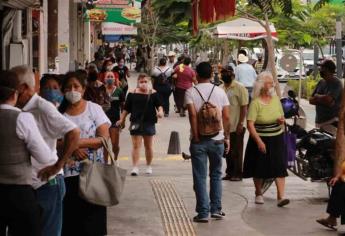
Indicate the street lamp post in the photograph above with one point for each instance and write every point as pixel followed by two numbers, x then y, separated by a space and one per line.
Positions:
pixel 339 51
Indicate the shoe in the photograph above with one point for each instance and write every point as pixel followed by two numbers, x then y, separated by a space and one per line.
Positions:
pixel 182 114
pixel 149 170
pixel 235 179
pixel 227 177
pixel 198 219
pixel 259 199
pixel 166 115
pixel 218 215
pixel 283 202
pixel 135 171
pixel 327 224
pixel 185 156
pixel 341 230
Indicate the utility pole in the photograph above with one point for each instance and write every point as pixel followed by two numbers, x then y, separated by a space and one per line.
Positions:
pixel 339 51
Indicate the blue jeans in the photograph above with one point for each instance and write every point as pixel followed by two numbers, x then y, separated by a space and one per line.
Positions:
pixel 200 152
pixel 50 197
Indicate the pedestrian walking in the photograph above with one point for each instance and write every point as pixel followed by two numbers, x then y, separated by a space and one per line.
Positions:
pixel 79 216
pixel 107 66
pixel 259 64
pixel 96 92
pixel 171 59
pixel 245 73
pixel 20 139
pixel 162 83
pixel 145 108
pixel 185 77
pixel 264 157
pixel 117 99
pixel 208 108
pixel 52 126
pixel 238 98
pixel 123 72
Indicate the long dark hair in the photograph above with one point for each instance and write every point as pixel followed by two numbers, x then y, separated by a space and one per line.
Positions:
pixel 68 76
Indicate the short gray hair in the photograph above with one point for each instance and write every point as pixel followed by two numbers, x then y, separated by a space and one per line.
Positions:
pixel 25 75
pixel 260 82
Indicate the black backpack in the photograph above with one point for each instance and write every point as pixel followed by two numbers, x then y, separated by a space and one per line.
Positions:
pixel 162 78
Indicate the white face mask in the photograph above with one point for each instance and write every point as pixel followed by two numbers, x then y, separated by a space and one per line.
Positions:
pixel 143 86
pixel 272 91
pixel 109 68
pixel 73 96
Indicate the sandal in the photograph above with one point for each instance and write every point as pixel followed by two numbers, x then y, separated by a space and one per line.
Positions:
pixel 326 223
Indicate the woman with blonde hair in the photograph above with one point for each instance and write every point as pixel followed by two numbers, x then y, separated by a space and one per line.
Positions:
pixel 145 107
pixel 264 156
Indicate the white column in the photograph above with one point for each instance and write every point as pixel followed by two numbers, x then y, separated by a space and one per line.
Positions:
pixel 87 41
pixel 63 36
pixel 44 38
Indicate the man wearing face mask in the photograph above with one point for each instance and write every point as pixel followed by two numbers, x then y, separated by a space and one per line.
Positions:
pixel 123 73
pixel 47 179
pixel 238 98
pixel 327 98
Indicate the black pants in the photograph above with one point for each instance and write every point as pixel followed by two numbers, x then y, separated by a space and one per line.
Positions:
pixel 164 92
pixel 79 216
pixel 19 211
pixel 234 159
pixel 180 93
pixel 336 203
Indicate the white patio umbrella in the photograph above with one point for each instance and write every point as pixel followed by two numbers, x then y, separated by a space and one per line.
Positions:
pixel 242 29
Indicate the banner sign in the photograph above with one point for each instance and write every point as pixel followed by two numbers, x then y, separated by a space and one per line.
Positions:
pixel 111 28
pixel 120 11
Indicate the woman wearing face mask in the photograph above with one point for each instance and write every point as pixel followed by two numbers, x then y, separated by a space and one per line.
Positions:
pixel 96 91
pixel 117 99
pixel 50 89
pixel 79 216
pixel 108 65
pixel 145 107
pixel 264 156
pixel 238 98
pixel 123 73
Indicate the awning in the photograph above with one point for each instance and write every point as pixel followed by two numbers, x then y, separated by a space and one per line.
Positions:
pixel 21 4
pixel 116 38
pixel 242 29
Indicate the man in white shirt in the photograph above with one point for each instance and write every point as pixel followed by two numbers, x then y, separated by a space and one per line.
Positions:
pixel 20 138
pixel 245 73
pixel 171 59
pixel 211 148
pixel 52 126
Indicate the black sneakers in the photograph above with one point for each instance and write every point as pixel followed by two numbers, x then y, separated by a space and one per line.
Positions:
pixel 198 219
pixel 218 215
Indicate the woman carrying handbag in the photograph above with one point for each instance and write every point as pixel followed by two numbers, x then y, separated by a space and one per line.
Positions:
pixel 145 107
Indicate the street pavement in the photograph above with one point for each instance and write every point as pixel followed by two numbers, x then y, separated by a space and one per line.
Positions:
pixel 149 208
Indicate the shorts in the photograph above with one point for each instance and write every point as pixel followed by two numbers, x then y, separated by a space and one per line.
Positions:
pixel 147 130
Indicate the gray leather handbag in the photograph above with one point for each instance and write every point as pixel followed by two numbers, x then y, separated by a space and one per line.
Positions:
pixel 102 183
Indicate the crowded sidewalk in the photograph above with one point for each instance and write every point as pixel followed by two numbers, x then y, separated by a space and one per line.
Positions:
pixel 140 211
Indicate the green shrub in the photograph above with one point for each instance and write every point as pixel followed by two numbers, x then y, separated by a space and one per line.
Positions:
pixel 308 86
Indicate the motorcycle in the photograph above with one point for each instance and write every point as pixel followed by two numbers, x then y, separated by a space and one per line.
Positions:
pixel 315 149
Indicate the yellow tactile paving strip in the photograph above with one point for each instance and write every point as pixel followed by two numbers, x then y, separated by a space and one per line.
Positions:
pixel 176 221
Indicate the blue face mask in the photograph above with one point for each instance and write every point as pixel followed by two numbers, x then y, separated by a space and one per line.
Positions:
pixel 52 95
pixel 110 81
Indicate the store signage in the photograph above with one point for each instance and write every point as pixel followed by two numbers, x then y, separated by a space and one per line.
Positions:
pixel 110 28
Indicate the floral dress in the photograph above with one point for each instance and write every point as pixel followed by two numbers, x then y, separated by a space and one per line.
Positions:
pixel 88 122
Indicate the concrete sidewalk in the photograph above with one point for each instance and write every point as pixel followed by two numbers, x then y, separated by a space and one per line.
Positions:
pixel 143 211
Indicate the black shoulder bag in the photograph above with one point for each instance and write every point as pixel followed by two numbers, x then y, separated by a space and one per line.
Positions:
pixel 139 126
